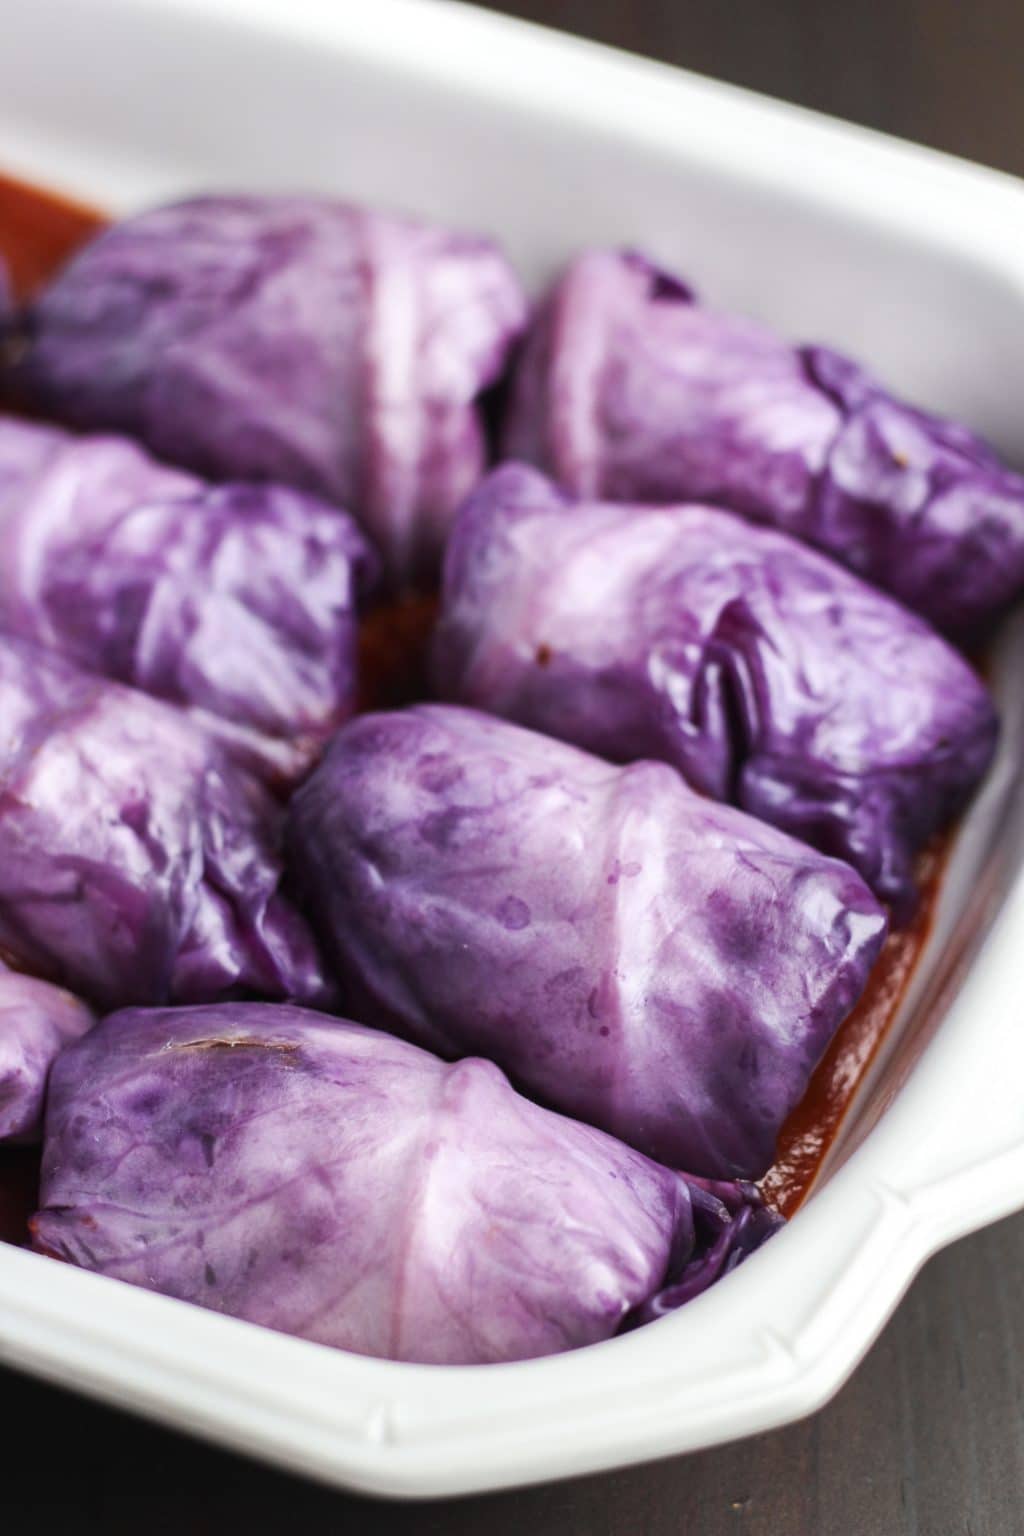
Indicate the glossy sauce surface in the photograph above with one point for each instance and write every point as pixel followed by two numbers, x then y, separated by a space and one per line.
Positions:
pixel 37 233
pixel 814 1124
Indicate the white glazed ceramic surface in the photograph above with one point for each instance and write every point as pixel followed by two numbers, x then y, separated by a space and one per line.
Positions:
pixel 910 259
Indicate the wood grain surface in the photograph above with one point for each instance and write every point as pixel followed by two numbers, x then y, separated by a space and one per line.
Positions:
pixel 928 1436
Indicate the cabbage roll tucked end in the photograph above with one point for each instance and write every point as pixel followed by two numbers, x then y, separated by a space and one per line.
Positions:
pixel 731 1221
pixel 332 1182
pixel 763 671
pixel 628 389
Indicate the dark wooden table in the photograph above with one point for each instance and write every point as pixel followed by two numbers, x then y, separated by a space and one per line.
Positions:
pixel 928 1437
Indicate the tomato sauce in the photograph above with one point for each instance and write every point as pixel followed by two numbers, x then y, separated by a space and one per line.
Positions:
pixel 393 645
pixel 37 233
pixel 813 1126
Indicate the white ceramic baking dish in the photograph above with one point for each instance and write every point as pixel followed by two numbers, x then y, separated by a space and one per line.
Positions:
pixel 913 260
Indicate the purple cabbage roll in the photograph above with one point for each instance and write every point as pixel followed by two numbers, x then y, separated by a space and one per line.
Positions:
pixel 657 964
pixel 629 390
pixel 765 673
pixel 298 340
pixel 237 601
pixel 138 864
pixel 36 1021
pixel 335 1183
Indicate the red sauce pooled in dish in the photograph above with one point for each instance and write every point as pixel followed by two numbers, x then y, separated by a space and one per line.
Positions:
pixel 37 233
pixel 812 1127
pixel 393 643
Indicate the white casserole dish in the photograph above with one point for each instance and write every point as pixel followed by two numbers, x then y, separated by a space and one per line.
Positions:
pixel 908 258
